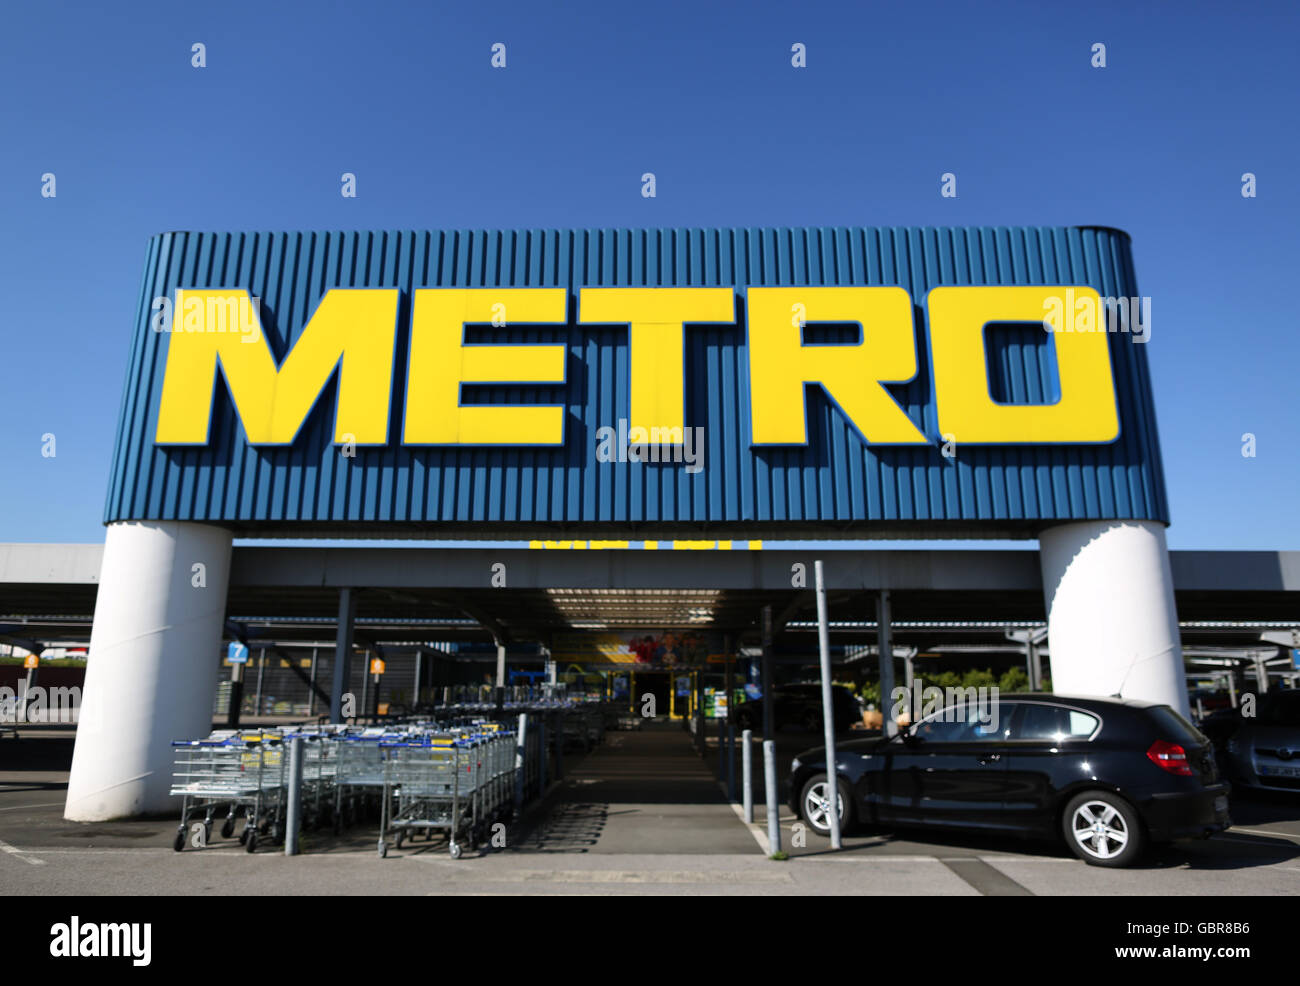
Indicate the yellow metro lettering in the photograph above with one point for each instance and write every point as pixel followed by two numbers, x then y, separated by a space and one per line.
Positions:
pixel 353 329
pixel 440 362
pixel 780 365
pixel 1086 411
pixel 656 318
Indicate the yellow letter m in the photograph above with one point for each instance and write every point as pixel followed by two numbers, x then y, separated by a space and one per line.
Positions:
pixel 353 330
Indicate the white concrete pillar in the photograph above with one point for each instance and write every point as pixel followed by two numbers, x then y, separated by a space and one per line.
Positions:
pixel 1111 622
pixel 151 673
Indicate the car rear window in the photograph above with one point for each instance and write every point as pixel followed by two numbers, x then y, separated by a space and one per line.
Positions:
pixel 1174 727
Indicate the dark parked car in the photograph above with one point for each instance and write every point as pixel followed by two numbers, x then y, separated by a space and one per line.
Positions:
pixel 799 705
pixel 1107 776
pixel 1261 751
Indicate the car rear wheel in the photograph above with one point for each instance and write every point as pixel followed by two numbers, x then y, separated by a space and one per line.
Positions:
pixel 1103 829
pixel 814 805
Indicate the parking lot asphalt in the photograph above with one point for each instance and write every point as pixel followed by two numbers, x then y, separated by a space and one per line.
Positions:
pixel 644 813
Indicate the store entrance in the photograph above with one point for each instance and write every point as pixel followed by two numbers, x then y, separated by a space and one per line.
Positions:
pixel 653 684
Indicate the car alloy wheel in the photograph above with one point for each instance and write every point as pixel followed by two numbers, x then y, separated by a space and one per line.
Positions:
pixel 817 806
pixel 1103 830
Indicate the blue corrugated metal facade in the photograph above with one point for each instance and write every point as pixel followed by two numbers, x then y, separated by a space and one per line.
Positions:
pixel 836 486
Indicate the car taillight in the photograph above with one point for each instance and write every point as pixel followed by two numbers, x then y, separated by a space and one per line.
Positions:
pixel 1169 757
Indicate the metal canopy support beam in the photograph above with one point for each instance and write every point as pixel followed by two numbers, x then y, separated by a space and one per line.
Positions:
pixel 378 679
pixel 261 674
pixel 343 652
pixel 792 608
pixel 308 679
pixel 315 688
pixel 482 617
pixel 885 646
pixel 1032 639
pixel 501 673
pixel 236 704
pixel 419 674
pixel 26 643
pixel 769 741
pixel 729 744
pixel 766 674
pixel 458 570
pixel 1261 674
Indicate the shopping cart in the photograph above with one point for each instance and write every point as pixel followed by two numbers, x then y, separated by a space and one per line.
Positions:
pixel 232 771
pixel 358 776
pixel 431 784
pixel 320 755
pixel 573 730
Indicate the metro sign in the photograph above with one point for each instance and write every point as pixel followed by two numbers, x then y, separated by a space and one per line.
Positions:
pixel 354 332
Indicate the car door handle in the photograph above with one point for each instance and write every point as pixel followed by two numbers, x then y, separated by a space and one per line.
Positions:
pixel 988 758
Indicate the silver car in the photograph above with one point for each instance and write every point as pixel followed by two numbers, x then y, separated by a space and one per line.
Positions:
pixel 1263 751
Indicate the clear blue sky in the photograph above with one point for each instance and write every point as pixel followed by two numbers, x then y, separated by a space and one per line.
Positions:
pixel 701 93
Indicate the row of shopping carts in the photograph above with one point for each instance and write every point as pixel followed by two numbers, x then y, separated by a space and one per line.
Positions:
pixel 418 778
pixel 584 727
pixel 457 784
pixel 238 772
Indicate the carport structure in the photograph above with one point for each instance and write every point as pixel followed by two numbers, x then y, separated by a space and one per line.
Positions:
pixel 400 596
pixel 931 597
pixel 403 600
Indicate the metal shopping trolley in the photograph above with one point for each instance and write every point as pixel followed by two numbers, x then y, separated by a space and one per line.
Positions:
pixel 232 771
pixel 320 757
pixel 358 776
pixel 430 784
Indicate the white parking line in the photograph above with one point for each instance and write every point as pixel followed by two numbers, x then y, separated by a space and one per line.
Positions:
pixel 97 852
pixel 871 859
pixel 13 851
pixel 759 835
pixel 48 804
pixel 900 858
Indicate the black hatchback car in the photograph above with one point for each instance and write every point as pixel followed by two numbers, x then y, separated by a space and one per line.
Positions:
pixel 1107 776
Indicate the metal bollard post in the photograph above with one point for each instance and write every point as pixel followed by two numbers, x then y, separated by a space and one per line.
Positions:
pixel 730 754
pixel 722 738
pixel 520 747
pixel 541 754
pixel 773 810
pixel 559 749
pixel 293 819
pixel 747 770
pixel 828 706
